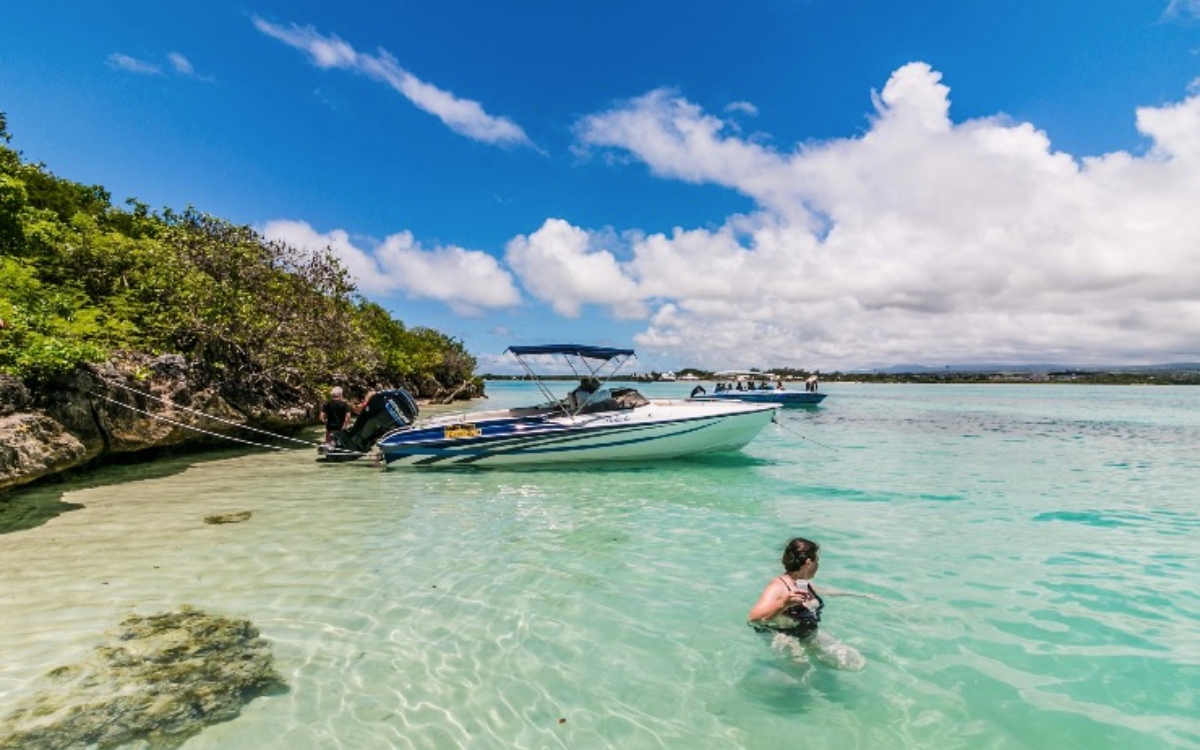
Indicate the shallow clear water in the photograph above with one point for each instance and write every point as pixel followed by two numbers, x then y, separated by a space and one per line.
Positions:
pixel 1035 551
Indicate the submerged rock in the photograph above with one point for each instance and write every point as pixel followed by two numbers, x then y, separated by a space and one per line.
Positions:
pixel 229 518
pixel 156 680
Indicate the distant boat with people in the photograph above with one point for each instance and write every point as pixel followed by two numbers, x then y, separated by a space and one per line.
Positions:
pixel 760 388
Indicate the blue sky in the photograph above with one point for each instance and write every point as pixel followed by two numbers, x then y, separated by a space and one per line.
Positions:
pixel 816 183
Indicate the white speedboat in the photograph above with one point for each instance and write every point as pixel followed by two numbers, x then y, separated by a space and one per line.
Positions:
pixel 617 424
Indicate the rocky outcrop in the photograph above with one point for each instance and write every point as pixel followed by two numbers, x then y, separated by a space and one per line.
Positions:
pixel 155 680
pixel 33 443
pixel 133 404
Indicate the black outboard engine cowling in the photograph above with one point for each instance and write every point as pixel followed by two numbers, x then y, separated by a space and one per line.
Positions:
pixel 384 412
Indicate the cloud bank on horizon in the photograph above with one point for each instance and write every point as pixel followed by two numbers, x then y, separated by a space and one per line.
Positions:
pixel 920 240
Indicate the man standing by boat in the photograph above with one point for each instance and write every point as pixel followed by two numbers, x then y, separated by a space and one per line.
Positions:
pixel 335 413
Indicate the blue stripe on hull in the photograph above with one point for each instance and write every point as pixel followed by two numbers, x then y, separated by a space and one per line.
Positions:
pixel 537 443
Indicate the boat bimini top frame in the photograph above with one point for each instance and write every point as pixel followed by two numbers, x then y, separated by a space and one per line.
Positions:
pixel 599 362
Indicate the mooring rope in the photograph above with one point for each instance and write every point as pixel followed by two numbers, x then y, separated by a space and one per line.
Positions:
pixel 168 420
pixel 191 427
pixel 174 405
pixel 783 427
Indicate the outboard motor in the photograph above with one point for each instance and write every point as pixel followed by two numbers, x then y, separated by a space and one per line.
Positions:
pixel 384 412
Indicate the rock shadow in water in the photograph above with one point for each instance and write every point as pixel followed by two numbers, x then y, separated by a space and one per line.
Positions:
pixel 28 507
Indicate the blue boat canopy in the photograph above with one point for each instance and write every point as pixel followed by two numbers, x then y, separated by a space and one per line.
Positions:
pixel 591 352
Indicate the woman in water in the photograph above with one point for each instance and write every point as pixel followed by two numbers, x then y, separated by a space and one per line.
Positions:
pixel 790 608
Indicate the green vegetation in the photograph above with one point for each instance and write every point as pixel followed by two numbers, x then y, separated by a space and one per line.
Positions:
pixel 81 279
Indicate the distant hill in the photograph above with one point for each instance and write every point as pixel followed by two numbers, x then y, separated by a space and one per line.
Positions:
pixel 1031 368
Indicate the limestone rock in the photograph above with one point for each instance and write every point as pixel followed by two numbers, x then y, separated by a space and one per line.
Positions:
pixel 132 403
pixel 14 396
pixel 33 445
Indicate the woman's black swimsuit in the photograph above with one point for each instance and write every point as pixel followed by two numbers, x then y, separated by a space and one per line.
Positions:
pixel 805 620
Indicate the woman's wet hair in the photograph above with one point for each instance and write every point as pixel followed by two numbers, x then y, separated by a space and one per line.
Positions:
pixel 797 552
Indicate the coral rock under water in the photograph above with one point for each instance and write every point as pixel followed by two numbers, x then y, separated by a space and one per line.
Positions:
pixel 228 518
pixel 156 680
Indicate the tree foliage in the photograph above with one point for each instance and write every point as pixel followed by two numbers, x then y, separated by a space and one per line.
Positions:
pixel 81 279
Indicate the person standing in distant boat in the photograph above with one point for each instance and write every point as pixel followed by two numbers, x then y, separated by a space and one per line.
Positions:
pixel 335 413
pixel 789 609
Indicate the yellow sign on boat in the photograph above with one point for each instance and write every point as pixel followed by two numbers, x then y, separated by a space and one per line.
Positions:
pixel 462 431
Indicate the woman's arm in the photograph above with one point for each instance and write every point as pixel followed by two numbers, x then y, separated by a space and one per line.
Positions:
pixel 773 600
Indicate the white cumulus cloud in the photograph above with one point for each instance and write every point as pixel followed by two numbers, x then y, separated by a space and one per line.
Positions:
pixel 469 281
pixel 923 240
pixel 568 268
pixel 463 116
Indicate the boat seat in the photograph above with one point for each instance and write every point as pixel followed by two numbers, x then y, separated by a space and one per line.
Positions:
pixel 604 404
pixel 628 398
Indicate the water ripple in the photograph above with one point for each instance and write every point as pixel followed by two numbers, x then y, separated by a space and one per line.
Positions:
pixel 1036 584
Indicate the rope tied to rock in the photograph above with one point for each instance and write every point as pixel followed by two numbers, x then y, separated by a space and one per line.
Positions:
pixel 179 407
pixel 193 427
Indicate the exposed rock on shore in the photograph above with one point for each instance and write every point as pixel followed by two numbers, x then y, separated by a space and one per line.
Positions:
pixel 157 679
pixel 104 409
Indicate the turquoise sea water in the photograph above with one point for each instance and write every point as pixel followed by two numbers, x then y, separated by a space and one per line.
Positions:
pixel 1035 551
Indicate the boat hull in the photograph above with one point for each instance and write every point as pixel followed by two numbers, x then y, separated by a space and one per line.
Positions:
pixel 660 430
pixel 784 398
